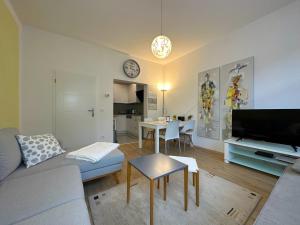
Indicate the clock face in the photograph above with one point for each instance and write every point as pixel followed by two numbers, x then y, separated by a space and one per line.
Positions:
pixel 131 68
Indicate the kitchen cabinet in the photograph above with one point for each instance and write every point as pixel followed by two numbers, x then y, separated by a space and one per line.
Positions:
pixel 129 123
pixel 121 92
pixel 125 93
pixel 121 123
pixel 125 124
pixel 132 98
pixel 133 125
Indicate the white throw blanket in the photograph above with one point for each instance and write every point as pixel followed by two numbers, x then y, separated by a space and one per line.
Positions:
pixel 94 152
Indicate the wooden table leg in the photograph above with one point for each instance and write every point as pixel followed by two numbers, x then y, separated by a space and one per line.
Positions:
pixel 186 177
pixel 116 177
pixel 194 178
pixel 128 181
pixel 156 140
pixel 151 201
pixel 165 188
pixel 158 183
pixel 197 187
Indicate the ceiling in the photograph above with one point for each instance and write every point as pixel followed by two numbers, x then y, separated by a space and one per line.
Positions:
pixel 130 25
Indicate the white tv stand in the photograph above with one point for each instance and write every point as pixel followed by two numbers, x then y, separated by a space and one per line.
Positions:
pixel 243 152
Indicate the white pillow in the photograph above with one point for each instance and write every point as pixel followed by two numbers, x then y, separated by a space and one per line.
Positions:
pixel 38 148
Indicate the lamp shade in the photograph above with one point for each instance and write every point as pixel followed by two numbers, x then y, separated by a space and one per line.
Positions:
pixel 161 46
pixel 164 87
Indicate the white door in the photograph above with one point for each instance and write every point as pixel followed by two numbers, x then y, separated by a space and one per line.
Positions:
pixel 75 102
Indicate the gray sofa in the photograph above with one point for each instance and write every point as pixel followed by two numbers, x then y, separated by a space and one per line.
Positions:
pixel 282 207
pixel 50 192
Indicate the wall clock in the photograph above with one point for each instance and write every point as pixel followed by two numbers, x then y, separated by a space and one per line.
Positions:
pixel 131 68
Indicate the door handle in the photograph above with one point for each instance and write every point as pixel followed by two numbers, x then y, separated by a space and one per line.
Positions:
pixel 92 111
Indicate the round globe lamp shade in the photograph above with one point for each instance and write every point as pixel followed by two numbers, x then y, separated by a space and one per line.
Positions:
pixel 161 47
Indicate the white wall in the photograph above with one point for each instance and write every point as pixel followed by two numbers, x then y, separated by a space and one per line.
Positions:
pixel 44 52
pixel 274 41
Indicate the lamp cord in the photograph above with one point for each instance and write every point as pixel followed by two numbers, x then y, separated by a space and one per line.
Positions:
pixel 161 16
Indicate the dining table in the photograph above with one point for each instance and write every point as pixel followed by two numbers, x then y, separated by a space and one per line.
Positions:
pixel 157 126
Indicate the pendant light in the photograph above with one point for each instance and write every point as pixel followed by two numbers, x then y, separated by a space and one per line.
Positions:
pixel 161 45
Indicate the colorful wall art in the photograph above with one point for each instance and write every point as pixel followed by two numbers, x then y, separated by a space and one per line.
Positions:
pixel 209 104
pixel 236 90
pixel 152 98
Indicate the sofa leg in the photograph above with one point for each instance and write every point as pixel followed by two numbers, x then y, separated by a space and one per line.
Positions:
pixel 116 177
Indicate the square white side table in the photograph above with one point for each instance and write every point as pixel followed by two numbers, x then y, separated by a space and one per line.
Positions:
pixel 192 168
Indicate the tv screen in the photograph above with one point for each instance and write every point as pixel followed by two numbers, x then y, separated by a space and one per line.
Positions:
pixel 272 125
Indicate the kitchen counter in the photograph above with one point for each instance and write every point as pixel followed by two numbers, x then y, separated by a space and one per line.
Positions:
pixel 127 123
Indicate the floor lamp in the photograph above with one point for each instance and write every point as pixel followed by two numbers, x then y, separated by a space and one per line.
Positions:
pixel 163 89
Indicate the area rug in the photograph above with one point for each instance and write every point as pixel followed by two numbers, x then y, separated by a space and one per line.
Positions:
pixel 221 203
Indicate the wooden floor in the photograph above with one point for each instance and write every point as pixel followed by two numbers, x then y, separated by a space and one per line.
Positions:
pixel 208 160
pixel 126 138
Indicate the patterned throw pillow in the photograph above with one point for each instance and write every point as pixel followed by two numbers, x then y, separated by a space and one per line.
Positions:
pixel 38 148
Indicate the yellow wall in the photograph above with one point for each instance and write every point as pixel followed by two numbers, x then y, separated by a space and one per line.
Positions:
pixel 9 69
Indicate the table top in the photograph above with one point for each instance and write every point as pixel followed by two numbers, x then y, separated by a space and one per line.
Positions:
pixel 156 165
pixel 161 124
pixel 191 162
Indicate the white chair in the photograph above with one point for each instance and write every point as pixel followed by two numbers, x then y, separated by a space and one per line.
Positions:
pixel 162 119
pixel 172 133
pixel 150 132
pixel 187 131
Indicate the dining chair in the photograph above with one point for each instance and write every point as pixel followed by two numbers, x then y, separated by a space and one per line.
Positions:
pixel 187 131
pixel 150 132
pixel 172 133
pixel 162 119
pixel 190 117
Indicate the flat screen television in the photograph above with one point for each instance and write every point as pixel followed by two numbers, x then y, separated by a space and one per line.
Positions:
pixel 272 125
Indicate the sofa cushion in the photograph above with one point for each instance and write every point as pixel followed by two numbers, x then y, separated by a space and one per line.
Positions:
pixel 96 173
pixel 38 148
pixel 30 195
pixel 113 158
pixel 296 166
pixel 50 164
pixel 282 207
pixel 74 212
pixel 10 155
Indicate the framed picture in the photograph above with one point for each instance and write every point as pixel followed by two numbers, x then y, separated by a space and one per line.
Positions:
pixel 237 80
pixel 209 104
pixel 152 98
